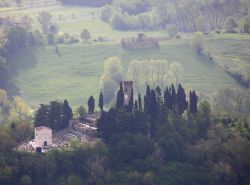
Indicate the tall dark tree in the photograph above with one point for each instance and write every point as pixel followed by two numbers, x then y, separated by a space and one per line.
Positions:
pixel 140 102
pixel 193 102
pixel 91 105
pixel 67 113
pixel 182 104
pixel 120 98
pixel 173 95
pixel 147 98
pixel 42 116
pixel 55 115
pixel 158 91
pixel 131 101
pixel 153 107
pixel 136 105
pixel 148 91
pixel 168 99
pixel 101 101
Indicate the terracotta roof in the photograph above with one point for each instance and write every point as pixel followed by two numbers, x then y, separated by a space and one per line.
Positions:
pixel 41 128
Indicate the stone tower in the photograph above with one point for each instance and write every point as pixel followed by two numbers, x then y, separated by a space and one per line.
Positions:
pixel 127 88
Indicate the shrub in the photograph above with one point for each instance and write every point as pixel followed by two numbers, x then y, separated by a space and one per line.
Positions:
pixel 217 31
pixel 85 35
pixel 172 31
pixel 106 13
pixel 198 42
pixel 118 22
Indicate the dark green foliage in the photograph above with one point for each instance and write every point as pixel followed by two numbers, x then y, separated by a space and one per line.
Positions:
pixel 136 105
pixel 120 98
pixel 147 100
pixel 91 105
pixel 140 102
pixel 131 102
pixel 17 38
pixel 101 101
pixel 67 113
pixel 170 149
pixel 176 150
pixel 3 74
pixel 56 115
pixel 153 106
pixel 42 116
pixel 182 104
pixel 193 102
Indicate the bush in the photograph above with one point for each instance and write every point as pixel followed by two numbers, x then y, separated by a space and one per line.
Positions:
pixel 217 31
pixel 106 13
pixel 172 31
pixel 118 22
pixel 198 42
pixel 85 35
pixel 73 39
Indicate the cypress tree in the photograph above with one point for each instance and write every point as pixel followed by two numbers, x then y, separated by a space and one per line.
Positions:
pixel 136 105
pixel 148 91
pixel 173 95
pixel 121 95
pixel 146 104
pixel 42 116
pixel 168 99
pixel 181 100
pixel 193 100
pixel 91 105
pixel 120 98
pixel 140 102
pixel 55 115
pixel 147 98
pixel 67 113
pixel 153 108
pixel 131 101
pixel 158 91
pixel 101 101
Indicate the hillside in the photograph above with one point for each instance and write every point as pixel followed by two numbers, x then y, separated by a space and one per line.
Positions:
pixel 45 76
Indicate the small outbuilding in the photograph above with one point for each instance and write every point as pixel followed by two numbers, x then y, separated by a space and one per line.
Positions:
pixel 43 136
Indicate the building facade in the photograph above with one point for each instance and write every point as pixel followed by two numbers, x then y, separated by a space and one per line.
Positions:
pixel 43 136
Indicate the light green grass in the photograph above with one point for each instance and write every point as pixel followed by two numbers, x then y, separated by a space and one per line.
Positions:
pixel 75 75
pixel 231 50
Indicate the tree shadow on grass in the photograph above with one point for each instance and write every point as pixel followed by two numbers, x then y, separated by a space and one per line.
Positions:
pixel 21 60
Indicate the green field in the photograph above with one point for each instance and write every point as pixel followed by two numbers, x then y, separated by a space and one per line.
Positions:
pixel 231 50
pixel 44 76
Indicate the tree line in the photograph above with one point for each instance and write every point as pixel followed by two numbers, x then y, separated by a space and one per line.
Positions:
pixel 187 16
pixel 161 138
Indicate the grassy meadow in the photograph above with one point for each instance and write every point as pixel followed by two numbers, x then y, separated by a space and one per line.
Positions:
pixel 44 76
